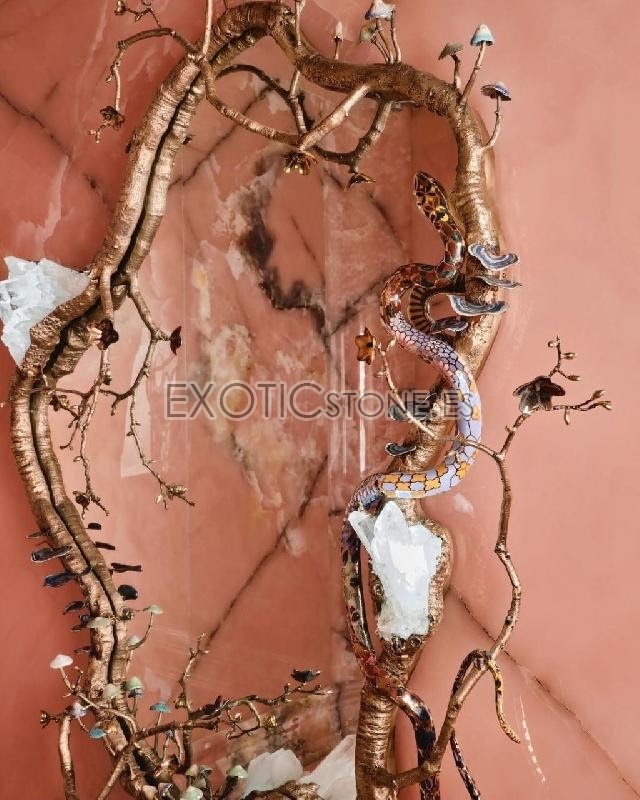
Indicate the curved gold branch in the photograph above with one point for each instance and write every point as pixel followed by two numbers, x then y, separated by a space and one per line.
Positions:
pixel 60 340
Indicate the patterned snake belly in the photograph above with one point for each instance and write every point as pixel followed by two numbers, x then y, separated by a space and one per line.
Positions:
pixel 420 334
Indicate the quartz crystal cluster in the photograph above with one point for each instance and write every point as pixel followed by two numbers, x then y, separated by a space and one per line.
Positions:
pixel 30 293
pixel 334 776
pixel 405 559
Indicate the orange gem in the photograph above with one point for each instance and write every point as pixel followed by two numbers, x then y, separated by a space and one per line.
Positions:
pixel 366 345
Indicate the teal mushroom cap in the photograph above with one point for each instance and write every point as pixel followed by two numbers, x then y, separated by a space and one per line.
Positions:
pixel 96 733
pixel 496 90
pixel 161 707
pixel 482 35
pixel 238 772
pixel 134 686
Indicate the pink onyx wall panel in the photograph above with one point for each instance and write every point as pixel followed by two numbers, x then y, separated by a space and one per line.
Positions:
pixel 271 275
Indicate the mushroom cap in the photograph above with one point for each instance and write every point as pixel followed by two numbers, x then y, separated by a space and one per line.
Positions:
pixel 367 32
pixel 133 684
pixel 132 641
pixel 161 707
pixel 237 772
pixel 380 10
pixel 495 90
pixel 97 733
pixel 110 691
pixel 339 31
pixel 99 622
pixel 77 710
pixel 153 609
pixel 192 793
pixel 60 661
pixel 450 49
pixel 482 35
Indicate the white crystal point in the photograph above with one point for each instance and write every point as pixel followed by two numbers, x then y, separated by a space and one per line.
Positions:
pixel 30 293
pixel 335 776
pixel 270 770
pixel 405 558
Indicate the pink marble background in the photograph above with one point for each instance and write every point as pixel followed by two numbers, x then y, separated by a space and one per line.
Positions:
pixel 271 276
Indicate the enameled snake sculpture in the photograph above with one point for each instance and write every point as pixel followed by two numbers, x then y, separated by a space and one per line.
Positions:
pixel 421 335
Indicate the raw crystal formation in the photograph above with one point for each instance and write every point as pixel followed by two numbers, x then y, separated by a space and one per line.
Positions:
pixel 334 776
pixel 30 293
pixel 405 558
pixel 270 770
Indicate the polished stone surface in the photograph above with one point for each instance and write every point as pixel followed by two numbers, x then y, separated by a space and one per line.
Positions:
pixel 271 276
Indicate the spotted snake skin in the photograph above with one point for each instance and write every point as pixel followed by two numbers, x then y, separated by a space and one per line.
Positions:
pixel 420 334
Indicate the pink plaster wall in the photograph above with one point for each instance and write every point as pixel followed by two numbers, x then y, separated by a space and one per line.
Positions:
pixel 563 174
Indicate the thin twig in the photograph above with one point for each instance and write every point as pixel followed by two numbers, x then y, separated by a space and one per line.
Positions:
pixel 475 666
pixel 334 119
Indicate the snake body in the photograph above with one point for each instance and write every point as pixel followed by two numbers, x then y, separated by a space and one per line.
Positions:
pixel 420 334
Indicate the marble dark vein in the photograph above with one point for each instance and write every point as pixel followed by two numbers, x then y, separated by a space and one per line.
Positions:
pixel 309 250
pixel 352 307
pixel 256 244
pixel 377 205
pixel 551 695
pixel 273 550
pixel 50 11
pixel 31 117
pixel 382 211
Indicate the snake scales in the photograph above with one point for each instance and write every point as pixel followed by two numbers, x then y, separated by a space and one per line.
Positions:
pixel 419 333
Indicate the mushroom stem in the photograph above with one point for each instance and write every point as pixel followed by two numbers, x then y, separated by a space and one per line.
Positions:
pixel 456 71
pixel 376 42
pixel 474 74
pixel 394 38
pixel 380 41
pixel 146 635
pixel 67 682
pixel 155 738
pixel 496 129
